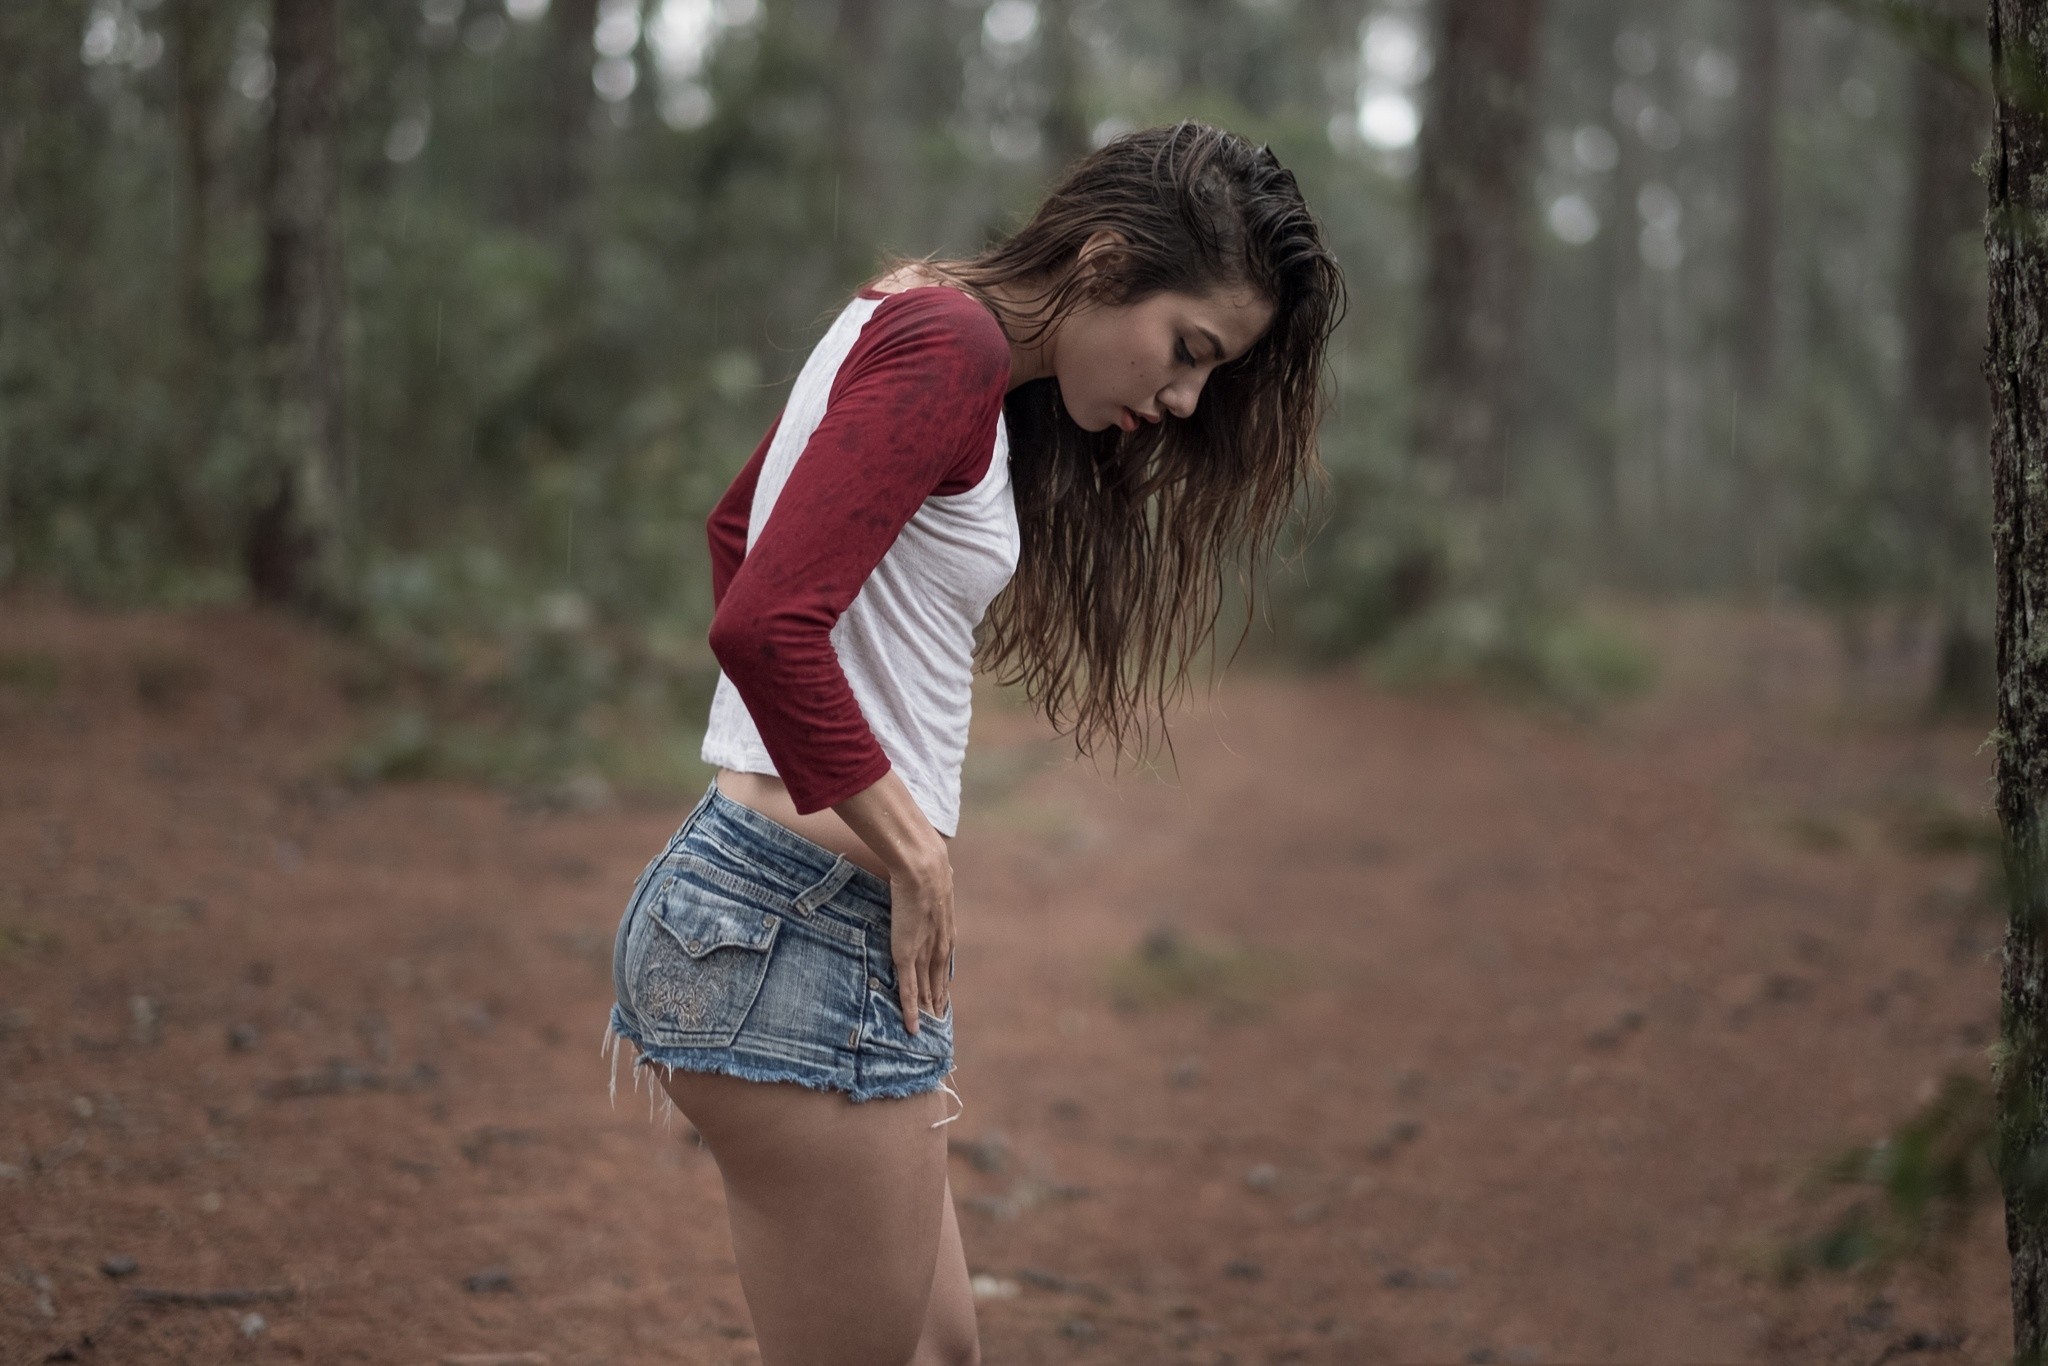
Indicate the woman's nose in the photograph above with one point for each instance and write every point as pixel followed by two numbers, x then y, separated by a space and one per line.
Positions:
pixel 1179 397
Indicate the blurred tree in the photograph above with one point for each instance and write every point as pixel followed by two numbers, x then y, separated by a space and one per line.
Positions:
pixel 1946 485
pixel 567 91
pixel 1584 291
pixel 587 241
pixel 198 50
pixel 48 138
pixel 1474 192
pixel 1756 256
pixel 197 53
pixel 1757 250
pixel 294 546
pixel 2016 365
pixel 1197 26
pixel 862 167
pixel 1066 117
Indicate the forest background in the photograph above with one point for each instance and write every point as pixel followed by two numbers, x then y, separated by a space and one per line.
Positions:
pixel 447 320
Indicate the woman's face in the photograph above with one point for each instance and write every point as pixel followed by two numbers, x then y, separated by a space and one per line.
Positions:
pixel 1123 365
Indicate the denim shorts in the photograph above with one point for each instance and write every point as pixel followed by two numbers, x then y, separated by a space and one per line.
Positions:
pixel 748 950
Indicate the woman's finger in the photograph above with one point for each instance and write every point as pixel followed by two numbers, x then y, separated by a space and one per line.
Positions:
pixel 906 991
pixel 935 974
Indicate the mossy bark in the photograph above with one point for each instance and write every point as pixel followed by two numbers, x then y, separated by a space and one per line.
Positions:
pixel 2016 366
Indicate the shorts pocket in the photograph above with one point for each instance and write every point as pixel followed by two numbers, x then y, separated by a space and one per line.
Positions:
pixel 934 1037
pixel 695 963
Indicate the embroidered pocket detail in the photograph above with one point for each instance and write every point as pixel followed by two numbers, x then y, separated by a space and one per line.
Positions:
pixel 699 965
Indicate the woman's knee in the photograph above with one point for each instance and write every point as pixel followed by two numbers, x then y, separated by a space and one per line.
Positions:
pixel 951 1351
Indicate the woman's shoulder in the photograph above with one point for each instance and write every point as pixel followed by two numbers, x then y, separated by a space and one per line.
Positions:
pixel 907 276
pixel 923 315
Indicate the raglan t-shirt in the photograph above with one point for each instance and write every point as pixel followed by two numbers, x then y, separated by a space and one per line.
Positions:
pixel 856 552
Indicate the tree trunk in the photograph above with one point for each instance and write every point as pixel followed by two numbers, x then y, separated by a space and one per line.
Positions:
pixel 1196 59
pixel 1757 249
pixel 294 548
pixel 2016 366
pixel 50 142
pixel 1947 487
pixel 1066 117
pixel 198 73
pixel 1756 322
pixel 1331 36
pixel 858 82
pixel 1473 187
pixel 565 152
pixel 1635 454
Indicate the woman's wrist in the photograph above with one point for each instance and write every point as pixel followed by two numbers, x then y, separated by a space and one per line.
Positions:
pixel 926 868
pixel 890 822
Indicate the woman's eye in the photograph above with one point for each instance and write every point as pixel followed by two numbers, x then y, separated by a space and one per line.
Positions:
pixel 1180 348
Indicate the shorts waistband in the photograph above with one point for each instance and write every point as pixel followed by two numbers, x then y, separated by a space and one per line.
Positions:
pixel 811 873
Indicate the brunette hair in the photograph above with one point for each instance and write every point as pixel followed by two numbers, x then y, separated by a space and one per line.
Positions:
pixel 1126 537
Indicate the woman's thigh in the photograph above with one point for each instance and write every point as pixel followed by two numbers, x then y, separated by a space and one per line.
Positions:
pixel 837 1212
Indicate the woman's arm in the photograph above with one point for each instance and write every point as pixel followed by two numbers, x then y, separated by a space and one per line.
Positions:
pixel 888 821
pixel 917 398
pixel 726 528
pixel 912 411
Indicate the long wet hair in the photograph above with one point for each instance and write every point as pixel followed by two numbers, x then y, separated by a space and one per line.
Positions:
pixel 1127 538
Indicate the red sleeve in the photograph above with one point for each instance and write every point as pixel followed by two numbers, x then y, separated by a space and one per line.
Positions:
pixel 727 527
pixel 912 412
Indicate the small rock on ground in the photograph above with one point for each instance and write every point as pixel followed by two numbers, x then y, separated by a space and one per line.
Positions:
pixel 488 1281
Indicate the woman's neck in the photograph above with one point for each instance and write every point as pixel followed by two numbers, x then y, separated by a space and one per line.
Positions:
pixel 1028 360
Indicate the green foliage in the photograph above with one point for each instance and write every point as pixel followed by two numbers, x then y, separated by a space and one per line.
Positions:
pixel 1545 653
pixel 472 675
pixel 1932 823
pixel 30 673
pixel 1818 831
pixel 548 384
pixel 1920 1188
pixel 1170 967
pixel 20 941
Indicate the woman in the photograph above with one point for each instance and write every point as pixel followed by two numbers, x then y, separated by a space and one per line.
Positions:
pixel 1072 434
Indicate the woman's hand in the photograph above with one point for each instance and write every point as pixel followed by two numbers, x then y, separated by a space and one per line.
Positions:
pixel 921 938
pixel 889 821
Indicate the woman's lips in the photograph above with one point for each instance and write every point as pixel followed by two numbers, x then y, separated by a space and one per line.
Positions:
pixel 1127 420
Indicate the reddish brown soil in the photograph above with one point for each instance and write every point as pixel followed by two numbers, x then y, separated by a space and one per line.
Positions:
pixel 1627 980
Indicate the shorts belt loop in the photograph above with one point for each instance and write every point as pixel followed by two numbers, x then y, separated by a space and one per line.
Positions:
pixel 825 888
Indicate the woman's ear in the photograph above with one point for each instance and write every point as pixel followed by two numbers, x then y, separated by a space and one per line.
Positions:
pixel 1099 249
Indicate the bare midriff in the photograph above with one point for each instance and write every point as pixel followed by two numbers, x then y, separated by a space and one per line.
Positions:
pixel 765 793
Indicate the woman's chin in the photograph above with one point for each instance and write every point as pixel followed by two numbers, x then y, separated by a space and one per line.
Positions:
pixel 1115 420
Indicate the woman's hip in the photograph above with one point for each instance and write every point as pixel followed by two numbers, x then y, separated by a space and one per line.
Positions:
pixel 752 952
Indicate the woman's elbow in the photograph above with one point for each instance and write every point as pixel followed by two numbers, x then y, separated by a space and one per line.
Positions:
pixel 736 640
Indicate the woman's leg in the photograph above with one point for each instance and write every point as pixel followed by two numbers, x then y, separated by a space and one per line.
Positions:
pixel 950 1337
pixel 838 1212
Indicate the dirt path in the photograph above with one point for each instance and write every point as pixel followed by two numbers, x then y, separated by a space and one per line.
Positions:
pixel 1515 1038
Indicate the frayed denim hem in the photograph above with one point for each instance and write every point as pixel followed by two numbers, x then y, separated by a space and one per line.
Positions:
pixel 723 1063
